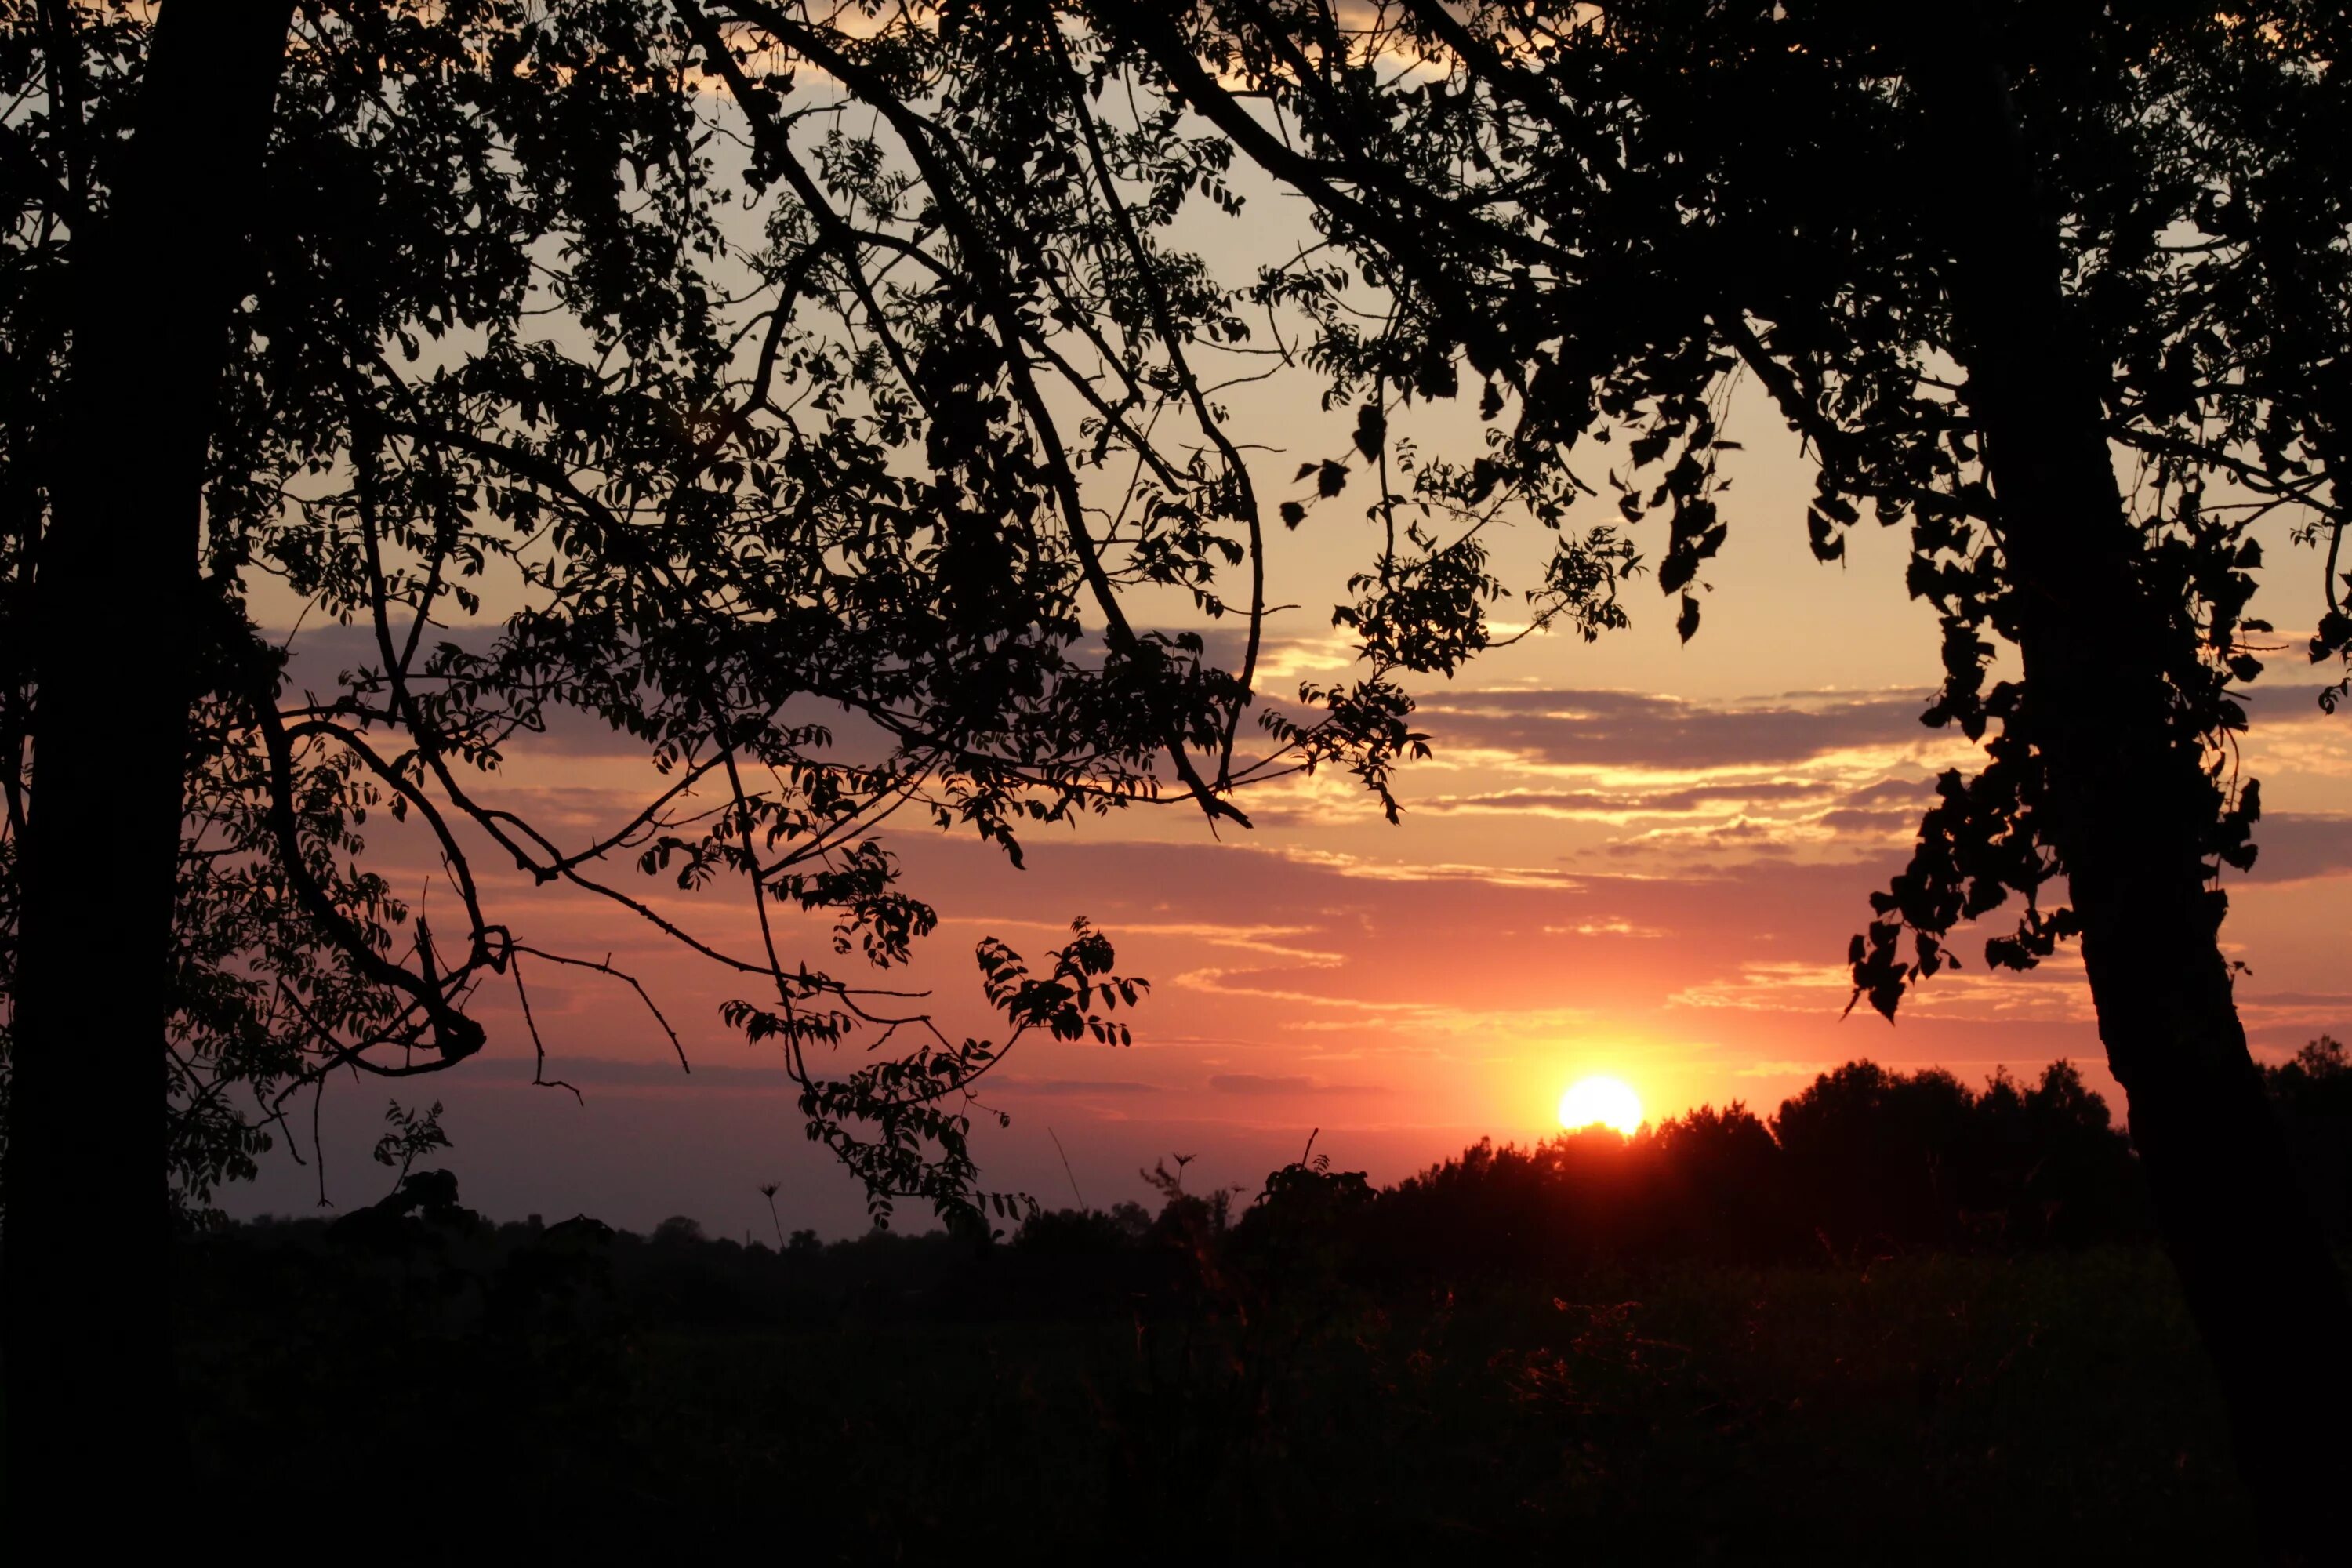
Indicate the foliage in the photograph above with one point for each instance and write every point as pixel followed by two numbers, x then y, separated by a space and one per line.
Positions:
pixel 1863 1162
pixel 600 365
pixel 2312 1094
pixel 412 1134
pixel 1601 216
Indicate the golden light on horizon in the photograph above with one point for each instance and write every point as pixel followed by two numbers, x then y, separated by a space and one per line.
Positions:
pixel 1602 1101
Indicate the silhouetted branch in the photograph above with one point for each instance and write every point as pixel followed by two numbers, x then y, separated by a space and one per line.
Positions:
pixel 623 975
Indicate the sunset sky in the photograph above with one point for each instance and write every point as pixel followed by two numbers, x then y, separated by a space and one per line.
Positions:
pixel 1635 857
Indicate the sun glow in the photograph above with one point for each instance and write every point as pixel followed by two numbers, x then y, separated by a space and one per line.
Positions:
pixel 1608 1102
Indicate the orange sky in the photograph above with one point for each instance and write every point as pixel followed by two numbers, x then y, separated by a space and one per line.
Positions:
pixel 1636 857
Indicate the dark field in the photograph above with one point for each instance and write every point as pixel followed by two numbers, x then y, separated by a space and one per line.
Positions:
pixel 1909 1322
pixel 885 1399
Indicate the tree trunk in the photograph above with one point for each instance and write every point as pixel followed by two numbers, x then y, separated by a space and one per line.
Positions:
pixel 91 1428
pixel 2130 802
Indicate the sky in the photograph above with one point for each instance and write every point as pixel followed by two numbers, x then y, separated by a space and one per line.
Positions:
pixel 1637 857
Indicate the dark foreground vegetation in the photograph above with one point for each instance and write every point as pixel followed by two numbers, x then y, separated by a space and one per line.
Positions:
pixel 1906 1320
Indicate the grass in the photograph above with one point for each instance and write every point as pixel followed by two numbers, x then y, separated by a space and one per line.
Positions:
pixel 1936 1408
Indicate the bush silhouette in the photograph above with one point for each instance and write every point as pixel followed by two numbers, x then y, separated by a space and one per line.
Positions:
pixel 2312 1094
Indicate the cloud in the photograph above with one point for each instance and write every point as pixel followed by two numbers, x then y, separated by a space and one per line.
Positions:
pixel 1613 927
pixel 1070 1087
pixel 1216 980
pixel 623 1073
pixel 1636 732
pixel 1256 939
pixel 2052 992
pixel 1772 987
pixel 1259 1083
pixel 1345 865
pixel 1282 1083
pixel 1833 772
pixel 1632 730
pixel 320 655
pixel 1848 822
pixel 2298 845
pixel 2306 1013
pixel 619 1073
pixel 2284 702
pixel 1618 804
pixel 1913 792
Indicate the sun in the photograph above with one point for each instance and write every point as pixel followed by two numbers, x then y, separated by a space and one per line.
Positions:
pixel 1609 1102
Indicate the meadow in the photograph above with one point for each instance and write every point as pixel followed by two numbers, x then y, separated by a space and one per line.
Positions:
pixel 1942 1407
pixel 1484 1356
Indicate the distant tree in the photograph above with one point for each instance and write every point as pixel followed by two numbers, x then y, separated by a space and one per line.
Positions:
pixel 2313 1095
pixel 1865 1163
pixel 1305 1223
pixel 2064 290
pixel 1072 1232
pixel 1873 1157
pixel 1871 1152
pixel 1725 1184
pixel 1551 1209
pixel 678 1230
pixel 2322 1067
pixel 2050 1162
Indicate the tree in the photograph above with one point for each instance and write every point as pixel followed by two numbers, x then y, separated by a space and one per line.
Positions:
pixel 2312 1094
pixel 1871 1152
pixel 488 329
pixel 85 1339
pixel 1976 256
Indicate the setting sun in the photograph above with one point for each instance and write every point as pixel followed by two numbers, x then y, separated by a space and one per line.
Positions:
pixel 1607 1102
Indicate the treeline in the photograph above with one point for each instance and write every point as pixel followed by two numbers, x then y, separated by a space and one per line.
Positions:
pixel 1865 1159
pixel 1865 1162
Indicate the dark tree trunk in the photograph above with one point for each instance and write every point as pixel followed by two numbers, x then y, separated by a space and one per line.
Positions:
pixel 91 1414
pixel 2130 806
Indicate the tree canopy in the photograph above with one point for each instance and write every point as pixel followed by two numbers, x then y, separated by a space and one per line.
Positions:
pixel 1601 216
pixel 597 358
